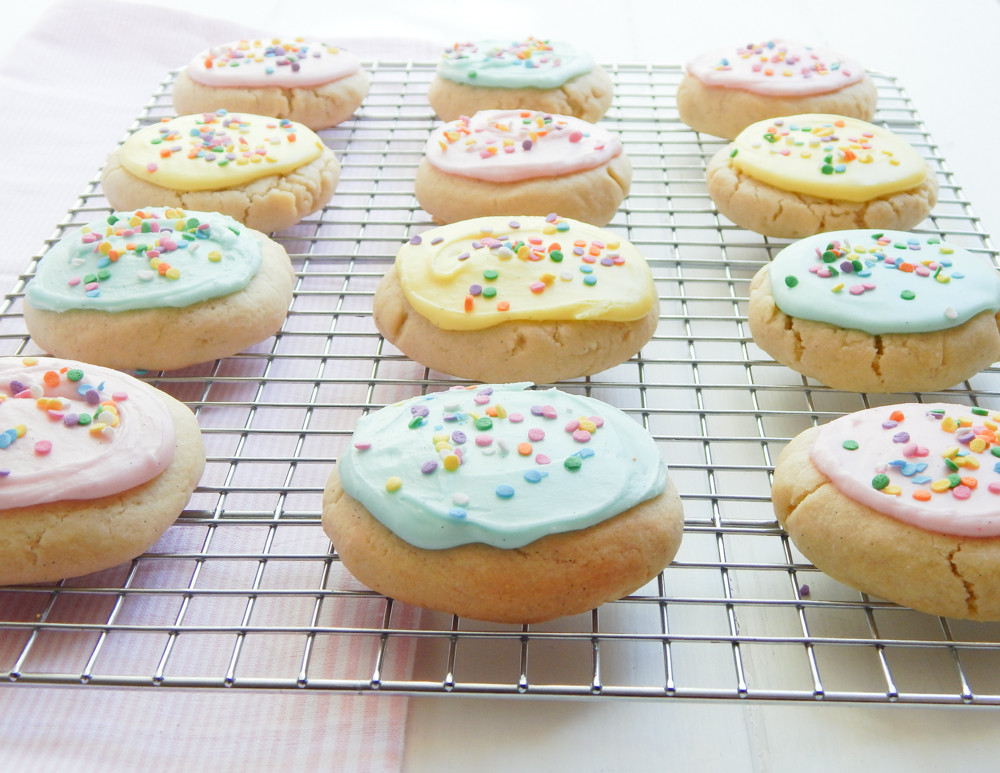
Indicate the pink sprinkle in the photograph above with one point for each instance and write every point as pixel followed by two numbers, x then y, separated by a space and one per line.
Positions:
pixel 119 396
pixel 74 281
pixel 823 272
pixel 91 286
pixel 922 271
pixel 535 434
pixel 483 440
pixel 814 269
pixel 575 136
pixel 482 399
pixel 856 290
pixel 994 488
pixel 150 167
pixel 549 412
pixel 362 446
pixel 581 436
pixel 598 421
pixel 43 447
pixel 56 415
pixel 868 285
pixel 543 459
pixel 573 425
pixel 515 418
pixel 910 450
pixel 961 492
pixel 537 287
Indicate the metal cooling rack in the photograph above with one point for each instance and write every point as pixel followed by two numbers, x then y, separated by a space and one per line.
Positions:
pixel 245 591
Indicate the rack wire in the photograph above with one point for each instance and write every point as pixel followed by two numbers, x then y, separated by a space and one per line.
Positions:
pixel 246 592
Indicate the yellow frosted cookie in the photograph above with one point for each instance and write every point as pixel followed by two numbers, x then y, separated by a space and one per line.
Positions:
pixel 266 172
pixel 800 175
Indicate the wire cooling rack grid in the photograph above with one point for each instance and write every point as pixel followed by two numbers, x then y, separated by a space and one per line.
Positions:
pixel 245 590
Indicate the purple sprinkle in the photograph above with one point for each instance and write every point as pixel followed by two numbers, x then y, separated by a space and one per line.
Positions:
pixel 485 391
pixel 536 410
pixel 415 239
pixel 901 437
pixel 420 410
pixel 804 590
pixel 475 289
pixel 71 419
pixel 428 467
pixel 966 436
pixel 437 240
pixel 578 250
pixel 526 144
pixel 464 256
pixel 16 387
pixel 4 473
pixel 606 261
pixel 458 437
pixel 92 397
pixel 847 267
pixel 889 424
pixel 513 224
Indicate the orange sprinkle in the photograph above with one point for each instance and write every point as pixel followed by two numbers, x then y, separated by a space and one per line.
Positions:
pixel 906 268
pixel 524 449
pixel 51 378
pixel 896 416
pixel 491 410
pixel 922 495
pixel 503 306
pixel 969 481
pixel 468 302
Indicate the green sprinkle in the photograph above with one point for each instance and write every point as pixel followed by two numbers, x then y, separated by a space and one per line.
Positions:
pixel 951 465
pixel 907 295
pixel 489 292
pixel 472 74
pixel 954 480
pixel 415 422
pixel 791 280
pixel 880 481
pixel 484 423
pixel 103 274
pixel 829 256
pixel 90 278
pixel 573 463
pixel 75 374
pixel 490 274
pixel 995 450
pixel 826 169
pixel 84 419
pixel 858 265
pixel 735 151
pixel 980 412
pixel 556 256
pixel 851 445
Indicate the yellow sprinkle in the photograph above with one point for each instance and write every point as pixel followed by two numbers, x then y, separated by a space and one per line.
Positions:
pixel 946 250
pixel 437 437
pixel 501 412
pixel 97 427
pixel 21 430
pixel 452 462
pixel 893 490
pixel 964 421
pixel 173 273
pixel 978 445
pixel 948 424
pixel 215 256
pixel 991 425
pixel 865 159
pixel 943 278
pixel 837 288
pixel 393 484
pixel 442 445
pixel 29 361
pixel 547 278
pixel 941 485
pixel 949 453
pixel 588 426
pixel 972 462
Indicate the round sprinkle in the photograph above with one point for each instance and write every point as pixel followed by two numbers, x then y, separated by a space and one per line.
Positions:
pixel 880 481
pixel 428 467
pixel 533 476
pixel 573 463
pixel 504 491
pixel 393 484
pixel 850 445
pixel 535 434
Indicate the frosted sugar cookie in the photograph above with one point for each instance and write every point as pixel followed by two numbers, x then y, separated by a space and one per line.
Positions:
pixel 804 174
pixel 268 173
pixel 94 466
pixel 725 90
pixel 878 311
pixel 502 503
pixel 531 73
pixel 527 298
pixel 160 288
pixel 313 83
pixel 501 161
pixel 902 502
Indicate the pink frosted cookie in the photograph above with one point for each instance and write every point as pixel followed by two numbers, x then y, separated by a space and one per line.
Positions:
pixel 94 466
pixel 726 90
pixel 902 502
pixel 313 83
pixel 523 162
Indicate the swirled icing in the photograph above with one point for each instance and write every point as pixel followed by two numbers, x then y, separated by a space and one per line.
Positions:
pixel 498 464
pixel 935 466
pixel 829 156
pixel 528 63
pixel 75 431
pixel 288 63
pixel 510 145
pixel 152 258
pixel 211 151
pixel 883 282
pixel 776 68
pixel 478 273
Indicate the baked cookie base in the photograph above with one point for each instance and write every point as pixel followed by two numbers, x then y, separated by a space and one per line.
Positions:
pixel 724 112
pixel 857 361
pixel 170 338
pixel 558 575
pixel 592 196
pixel 268 204
pixel 936 573
pixel 771 211
pixel 52 541
pixel 586 96
pixel 318 107
pixel 541 352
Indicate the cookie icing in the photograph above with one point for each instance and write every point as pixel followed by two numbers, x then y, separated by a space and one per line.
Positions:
pixel 828 156
pixel 528 63
pixel 75 431
pixel 287 63
pixel 146 259
pixel 777 68
pixel 482 272
pixel 883 282
pixel 212 151
pixel 498 464
pixel 510 145
pixel 935 466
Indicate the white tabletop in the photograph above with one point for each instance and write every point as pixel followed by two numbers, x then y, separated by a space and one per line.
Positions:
pixel 945 59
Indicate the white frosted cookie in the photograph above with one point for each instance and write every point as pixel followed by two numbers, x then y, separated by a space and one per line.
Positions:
pixel 878 311
pixel 266 172
pixel 501 503
pixel 501 161
pixel 725 90
pixel 159 289
pixel 901 502
pixel 800 175
pixel 528 298
pixel 313 83
pixel 507 75
pixel 94 466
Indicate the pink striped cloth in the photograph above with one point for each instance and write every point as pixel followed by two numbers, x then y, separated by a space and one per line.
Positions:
pixel 78 79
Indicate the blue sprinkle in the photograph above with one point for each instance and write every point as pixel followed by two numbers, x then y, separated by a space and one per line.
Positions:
pixel 532 476
pixel 922 479
pixel 585 453
pixel 504 491
pixel 457 512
